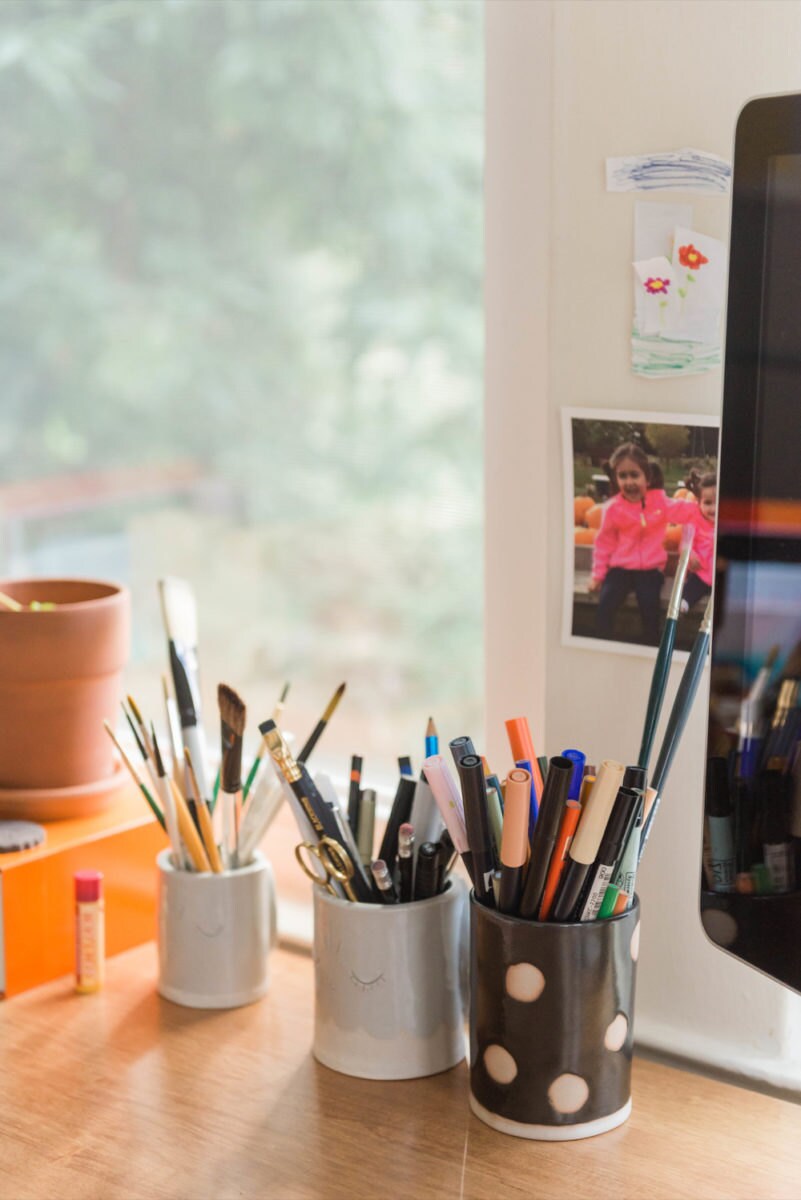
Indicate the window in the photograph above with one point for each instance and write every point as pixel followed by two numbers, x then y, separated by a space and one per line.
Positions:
pixel 241 342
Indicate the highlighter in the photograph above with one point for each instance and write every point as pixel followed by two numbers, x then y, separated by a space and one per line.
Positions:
pixel 594 816
pixel 514 840
pixel 560 775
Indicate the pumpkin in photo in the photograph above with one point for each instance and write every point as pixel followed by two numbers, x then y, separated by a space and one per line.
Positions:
pixel 672 537
pixel 594 516
pixel 581 506
pixel 684 493
pixel 582 536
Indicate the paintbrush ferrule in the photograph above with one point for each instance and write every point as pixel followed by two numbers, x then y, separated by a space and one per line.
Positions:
pixel 674 605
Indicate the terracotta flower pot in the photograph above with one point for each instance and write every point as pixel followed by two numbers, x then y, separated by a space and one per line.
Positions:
pixel 60 675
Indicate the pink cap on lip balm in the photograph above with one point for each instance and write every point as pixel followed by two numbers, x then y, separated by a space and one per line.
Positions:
pixel 88 886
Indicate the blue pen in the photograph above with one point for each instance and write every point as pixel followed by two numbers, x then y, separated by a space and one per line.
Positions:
pixel 525 765
pixel 578 759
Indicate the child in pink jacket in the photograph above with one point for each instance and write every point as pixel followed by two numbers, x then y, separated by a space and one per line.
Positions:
pixel 698 584
pixel 629 553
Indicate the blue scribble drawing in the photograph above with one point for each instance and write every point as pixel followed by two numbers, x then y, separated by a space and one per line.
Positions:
pixel 688 170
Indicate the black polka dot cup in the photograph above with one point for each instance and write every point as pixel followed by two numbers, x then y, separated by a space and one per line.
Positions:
pixel 390 985
pixel 551 1014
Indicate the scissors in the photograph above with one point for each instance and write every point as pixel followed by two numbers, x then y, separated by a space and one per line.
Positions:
pixel 335 862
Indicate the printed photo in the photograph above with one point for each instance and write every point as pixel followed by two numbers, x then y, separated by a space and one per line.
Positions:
pixel 636 485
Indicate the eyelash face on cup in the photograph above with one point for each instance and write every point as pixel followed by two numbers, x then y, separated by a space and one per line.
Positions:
pixel 366 985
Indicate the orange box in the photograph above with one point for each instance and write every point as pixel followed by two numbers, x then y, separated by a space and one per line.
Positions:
pixel 37 902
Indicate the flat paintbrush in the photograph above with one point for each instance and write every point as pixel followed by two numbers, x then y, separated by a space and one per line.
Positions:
pixel 659 678
pixel 232 726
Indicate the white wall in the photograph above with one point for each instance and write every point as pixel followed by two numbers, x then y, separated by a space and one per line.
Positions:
pixel 569 83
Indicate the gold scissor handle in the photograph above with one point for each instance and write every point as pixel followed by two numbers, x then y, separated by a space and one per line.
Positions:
pixel 323 881
pixel 337 863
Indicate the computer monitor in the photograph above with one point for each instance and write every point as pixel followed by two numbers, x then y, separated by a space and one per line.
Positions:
pixel 750 897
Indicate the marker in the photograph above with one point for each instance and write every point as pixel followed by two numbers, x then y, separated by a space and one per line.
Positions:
pixel 607 908
pixel 718 806
pixel 524 764
pixel 355 792
pixel 496 820
pixel 546 831
pixel 426 875
pixel 579 759
pixel 621 820
pixel 366 831
pixel 476 817
pixel 405 765
pixel 514 841
pixel 459 747
pixel 567 830
pixel 522 746
pixel 595 814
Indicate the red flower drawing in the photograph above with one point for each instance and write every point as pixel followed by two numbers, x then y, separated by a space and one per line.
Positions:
pixel 690 257
pixel 656 286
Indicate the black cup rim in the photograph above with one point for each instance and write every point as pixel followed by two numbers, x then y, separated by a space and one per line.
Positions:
pixel 513 920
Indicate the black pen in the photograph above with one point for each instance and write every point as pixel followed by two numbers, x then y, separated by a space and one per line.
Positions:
pixel 459 747
pixel 622 819
pixel 476 820
pixel 427 871
pixel 546 831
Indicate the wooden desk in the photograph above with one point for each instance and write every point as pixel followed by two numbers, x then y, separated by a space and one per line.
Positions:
pixel 124 1095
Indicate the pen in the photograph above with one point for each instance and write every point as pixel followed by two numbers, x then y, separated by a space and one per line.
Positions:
pixel 594 816
pixel 579 759
pixel 459 747
pixel 514 840
pixel 355 792
pixel 522 746
pixel 405 765
pixel 476 817
pixel 621 819
pixel 567 829
pixel 366 833
pixel 546 831
pixel 426 875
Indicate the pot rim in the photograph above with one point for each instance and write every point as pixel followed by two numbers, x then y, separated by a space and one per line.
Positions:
pixel 115 591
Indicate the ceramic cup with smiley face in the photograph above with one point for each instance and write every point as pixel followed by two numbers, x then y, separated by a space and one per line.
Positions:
pixel 215 933
pixel 390 984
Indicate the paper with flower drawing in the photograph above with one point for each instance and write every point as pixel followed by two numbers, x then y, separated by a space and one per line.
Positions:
pixel 679 289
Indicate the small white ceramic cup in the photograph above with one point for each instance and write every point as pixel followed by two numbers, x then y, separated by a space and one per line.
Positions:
pixel 215 933
pixel 390 985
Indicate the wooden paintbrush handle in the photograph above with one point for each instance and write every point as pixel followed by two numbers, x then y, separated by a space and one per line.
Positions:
pixel 188 831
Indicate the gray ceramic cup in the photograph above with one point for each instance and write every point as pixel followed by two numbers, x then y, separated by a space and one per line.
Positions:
pixel 551 1023
pixel 215 933
pixel 390 985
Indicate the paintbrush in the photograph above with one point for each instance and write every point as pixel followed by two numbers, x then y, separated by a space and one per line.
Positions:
pixel 277 711
pixel 659 678
pixel 167 804
pixel 157 813
pixel 205 827
pixel 232 725
pixel 180 622
pixel 677 720
pixel 316 733
pixel 142 739
pixel 173 734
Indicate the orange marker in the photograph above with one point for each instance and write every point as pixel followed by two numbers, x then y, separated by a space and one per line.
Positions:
pixel 514 839
pixel 570 820
pixel 522 747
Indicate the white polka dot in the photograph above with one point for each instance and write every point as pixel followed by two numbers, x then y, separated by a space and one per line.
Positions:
pixel 635 942
pixel 568 1093
pixel 615 1035
pixel 524 982
pixel 500 1065
pixel 720 926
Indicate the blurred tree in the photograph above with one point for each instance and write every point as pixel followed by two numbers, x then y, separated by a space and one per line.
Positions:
pixel 667 441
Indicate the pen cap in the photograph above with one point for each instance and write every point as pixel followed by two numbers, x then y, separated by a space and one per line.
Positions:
pixel 449 801
pixel 578 758
pixel 461 746
pixel 635 777
pixel 596 810
pixel 514 841
pixel 554 795
pixel 717 794
pixel 620 823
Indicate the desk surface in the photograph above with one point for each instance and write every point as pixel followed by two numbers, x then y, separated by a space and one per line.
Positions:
pixel 124 1095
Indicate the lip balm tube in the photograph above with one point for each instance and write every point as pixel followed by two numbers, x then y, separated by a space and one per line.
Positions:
pixel 90 942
